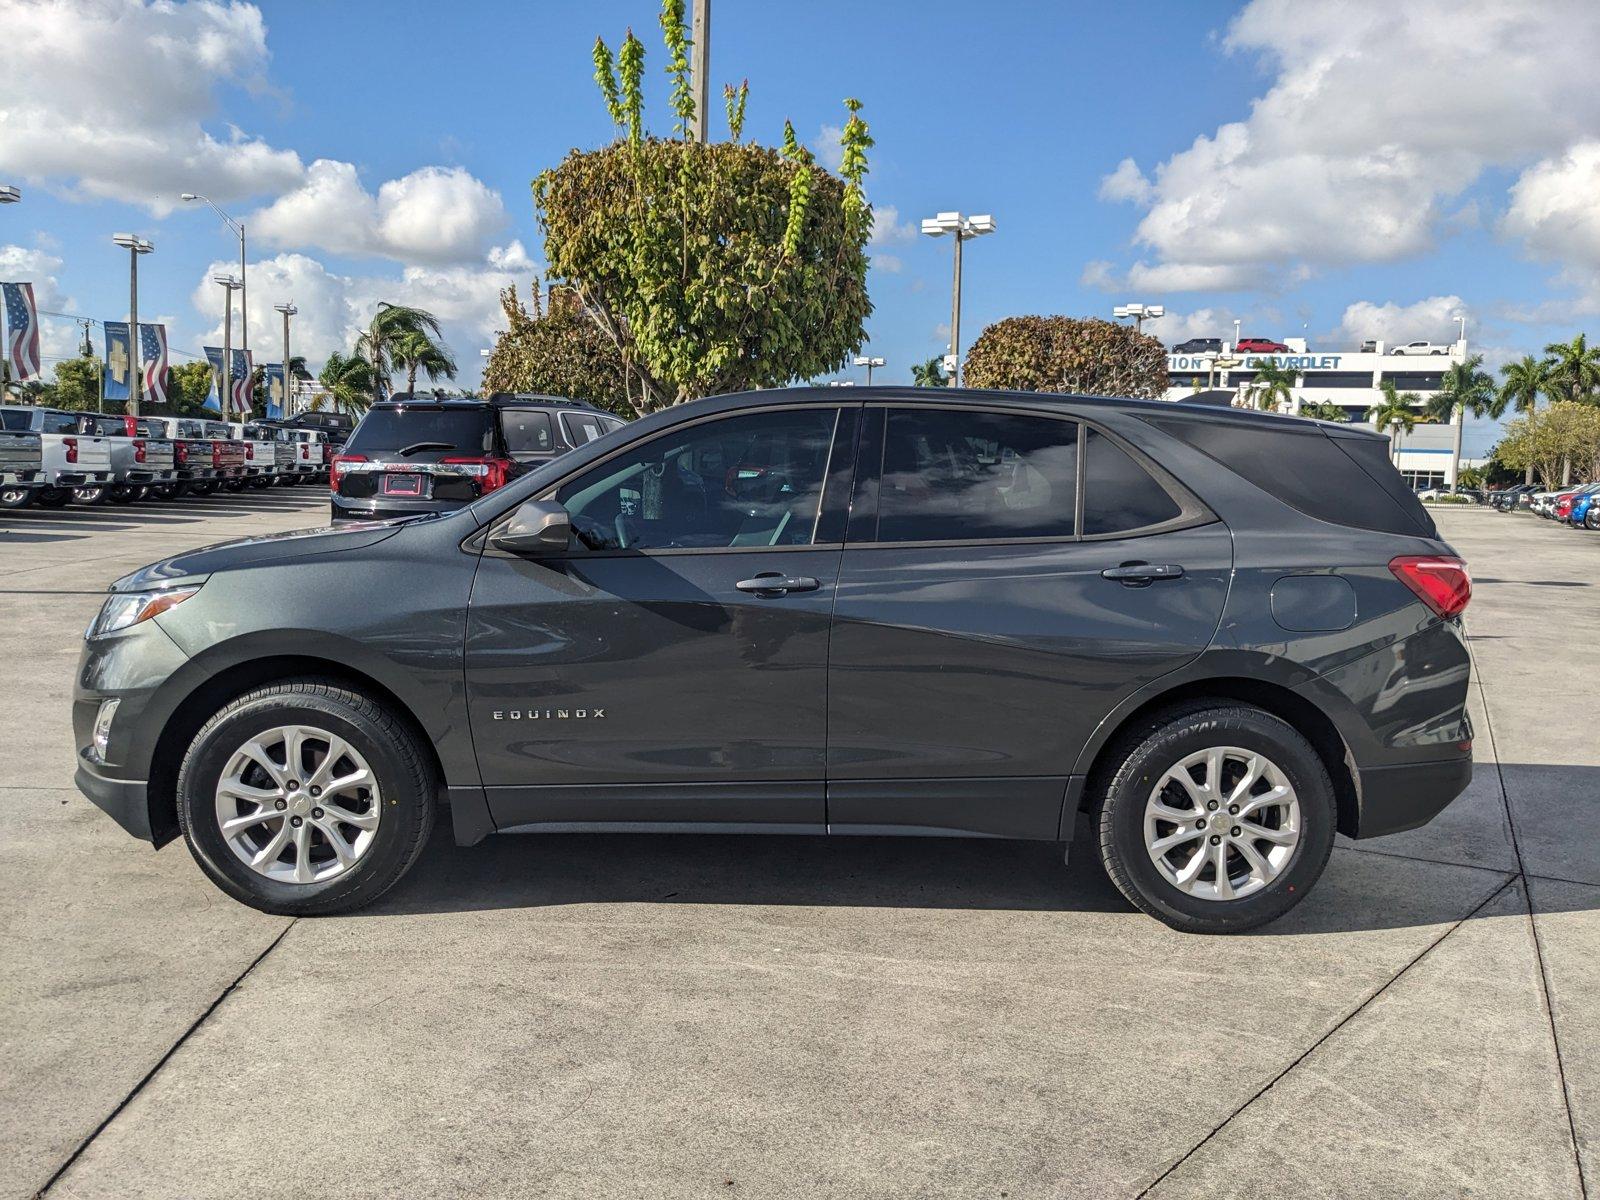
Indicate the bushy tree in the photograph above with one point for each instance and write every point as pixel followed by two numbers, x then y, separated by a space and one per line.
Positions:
pixel 710 267
pixel 1552 442
pixel 1066 354
pixel 556 349
pixel 77 384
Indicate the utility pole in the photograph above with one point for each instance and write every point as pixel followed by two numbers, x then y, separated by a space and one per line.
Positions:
pixel 700 68
pixel 288 310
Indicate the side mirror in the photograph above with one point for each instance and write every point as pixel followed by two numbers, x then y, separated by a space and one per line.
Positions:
pixel 537 527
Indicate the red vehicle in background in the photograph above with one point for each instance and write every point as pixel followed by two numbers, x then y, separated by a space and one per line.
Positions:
pixel 1255 345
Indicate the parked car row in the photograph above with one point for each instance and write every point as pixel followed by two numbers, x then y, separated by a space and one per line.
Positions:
pixel 52 457
pixel 1577 505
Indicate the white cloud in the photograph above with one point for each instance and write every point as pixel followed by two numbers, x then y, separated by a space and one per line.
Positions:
pixel 892 263
pixel 1176 327
pixel 1432 319
pixel 888 229
pixel 435 215
pixel 1555 212
pixel 111 98
pixel 334 308
pixel 829 151
pixel 1378 116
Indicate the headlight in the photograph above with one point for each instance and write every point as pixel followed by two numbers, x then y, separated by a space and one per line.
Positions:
pixel 123 609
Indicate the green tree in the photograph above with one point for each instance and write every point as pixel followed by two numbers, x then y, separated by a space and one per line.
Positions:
pixel 1065 354
pixel 1548 441
pixel 1272 386
pixel 347 380
pixel 710 267
pixel 1574 369
pixel 1324 410
pixel 557 350
pixel 77 385
pixel 930 373
pixel 415 351
pixel 1524 382
pixel 1394 413
pixel 188 385
pixel 1465 388
pixel 392 327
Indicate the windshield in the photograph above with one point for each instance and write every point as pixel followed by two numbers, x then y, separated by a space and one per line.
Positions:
pixel 435 432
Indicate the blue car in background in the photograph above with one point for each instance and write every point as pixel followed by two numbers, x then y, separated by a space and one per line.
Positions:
pixel 1586 508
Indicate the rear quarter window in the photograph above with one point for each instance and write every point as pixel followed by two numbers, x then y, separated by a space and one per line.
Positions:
pixel 1345 481
pixel 527 431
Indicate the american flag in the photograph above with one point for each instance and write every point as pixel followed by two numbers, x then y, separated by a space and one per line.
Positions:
pixel 153 357
pixel 243 385
pixel 22 330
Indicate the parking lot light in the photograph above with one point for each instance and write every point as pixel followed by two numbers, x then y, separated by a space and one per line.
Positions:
pixel 9 193
pixel 867 361
pixel 135 246
pixel 961 228
pixel 1140 313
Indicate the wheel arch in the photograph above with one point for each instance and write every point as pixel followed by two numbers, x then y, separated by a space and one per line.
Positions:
pixel 216 690
pixel 1303 715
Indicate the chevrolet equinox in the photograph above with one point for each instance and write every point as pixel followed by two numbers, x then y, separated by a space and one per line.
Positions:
pixel 1221 635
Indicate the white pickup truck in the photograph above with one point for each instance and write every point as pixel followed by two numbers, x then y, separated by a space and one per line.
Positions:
pixel 21 464
pixel 141 457
pixel 68 459
pixel 1420 348
pixel 260 452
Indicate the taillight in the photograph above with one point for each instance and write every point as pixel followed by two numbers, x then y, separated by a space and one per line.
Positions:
pixel 216 454
pixel 71 443
pixel 180 452
pixel 1443 584
pixel 250 451
pixel 491 472
pixel 138 449
pixel 338 462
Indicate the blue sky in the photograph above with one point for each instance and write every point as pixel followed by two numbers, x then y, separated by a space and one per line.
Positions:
pixel 1337 170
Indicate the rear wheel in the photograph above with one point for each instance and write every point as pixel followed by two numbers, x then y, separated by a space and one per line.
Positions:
pixel 305 798
pixel 53 497
pixel 169 491
pixel 124 493
pixel 94 493
pixel 204 487
pixel 16 497
pixel 1216 818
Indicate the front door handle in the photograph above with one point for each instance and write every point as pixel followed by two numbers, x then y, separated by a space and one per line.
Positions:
pixel 770 583
pixel 1141 574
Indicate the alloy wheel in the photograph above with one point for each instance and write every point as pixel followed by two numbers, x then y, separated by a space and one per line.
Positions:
pixel 1222 823
pixel 298 804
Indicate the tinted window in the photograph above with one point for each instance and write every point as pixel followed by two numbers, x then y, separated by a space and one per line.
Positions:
pixel 952 475
pixel 50 422
pixel 14 420
pixel 451 430
pixel 1327 478
pixel 1118 494
pixel 582 428
pixel 527 432
pixel 753 480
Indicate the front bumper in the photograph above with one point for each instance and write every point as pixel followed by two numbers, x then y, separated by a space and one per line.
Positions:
pixel 125 801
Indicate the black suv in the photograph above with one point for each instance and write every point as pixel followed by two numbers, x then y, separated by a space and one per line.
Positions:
pixel 1199 346
pixel 412 455
pixel 1222 635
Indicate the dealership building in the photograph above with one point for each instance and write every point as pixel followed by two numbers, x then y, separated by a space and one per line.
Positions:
pixel 1350 379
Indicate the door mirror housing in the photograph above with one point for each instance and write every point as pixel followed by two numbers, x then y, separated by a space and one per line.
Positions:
pixel 536 527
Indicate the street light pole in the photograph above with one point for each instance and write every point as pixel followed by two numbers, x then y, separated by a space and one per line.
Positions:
pixel 225 388
pixel 244 297
pixel 962 228
pixel 288 310
pixel 1140 313
pixel 700 67
pixel 135 247
pixel 867 361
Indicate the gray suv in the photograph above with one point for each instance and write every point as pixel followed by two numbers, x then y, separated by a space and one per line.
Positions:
pixel 1223 636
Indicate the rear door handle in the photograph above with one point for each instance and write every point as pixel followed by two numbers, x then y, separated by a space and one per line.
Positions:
pixel 1142 574
pixel 770 583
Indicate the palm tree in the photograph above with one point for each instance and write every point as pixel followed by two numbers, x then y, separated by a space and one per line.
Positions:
pixel 416 351
pixel 1465 388
pixel 1324 410
pixel 389 324
pixel 1525 381
pixel 1394 413
pixel 1574 369
pixel 1271 384
pixel 930 373
pixel 348 380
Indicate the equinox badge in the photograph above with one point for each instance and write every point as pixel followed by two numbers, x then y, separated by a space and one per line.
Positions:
pixel 549 714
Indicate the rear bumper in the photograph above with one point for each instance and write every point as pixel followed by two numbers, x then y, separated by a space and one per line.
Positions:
pixel 1395 799
pixel 378 508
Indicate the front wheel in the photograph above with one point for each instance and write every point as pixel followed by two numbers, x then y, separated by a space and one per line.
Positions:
pixel 1216 818
pixel 305 798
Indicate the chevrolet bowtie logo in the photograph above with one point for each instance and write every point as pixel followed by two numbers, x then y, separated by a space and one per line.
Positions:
pixel 549 714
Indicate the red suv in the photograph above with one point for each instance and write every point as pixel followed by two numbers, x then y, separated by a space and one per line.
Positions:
pixel 1255 345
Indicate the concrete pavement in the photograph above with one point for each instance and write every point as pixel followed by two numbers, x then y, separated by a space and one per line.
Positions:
pixel 765 1016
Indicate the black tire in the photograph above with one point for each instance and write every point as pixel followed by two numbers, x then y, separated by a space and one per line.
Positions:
pixel 406 784
pixel 234 485
pixel 204 488
pixel 169 491
pixel 1137 761
pixel 124 493
pixel 53 497
pixel 17 497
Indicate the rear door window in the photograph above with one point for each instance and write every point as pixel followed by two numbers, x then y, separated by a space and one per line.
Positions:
pixel 954 475
pixel 527 431
pixel 1119 495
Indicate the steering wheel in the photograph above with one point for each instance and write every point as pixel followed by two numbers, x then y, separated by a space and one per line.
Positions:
pixel 624 533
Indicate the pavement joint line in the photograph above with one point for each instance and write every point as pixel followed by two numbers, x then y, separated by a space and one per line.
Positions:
pixel 1509 881
pixel 1533 928
pixel 162 1061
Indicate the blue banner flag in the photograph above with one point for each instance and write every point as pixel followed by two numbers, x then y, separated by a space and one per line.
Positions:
pixel 119 361
pixel 214 357
pixel 272 378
